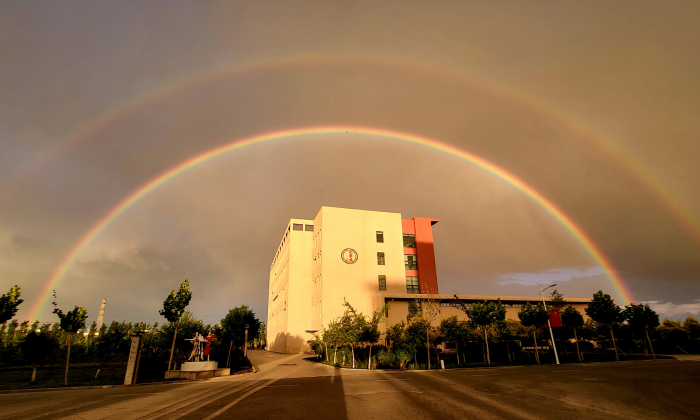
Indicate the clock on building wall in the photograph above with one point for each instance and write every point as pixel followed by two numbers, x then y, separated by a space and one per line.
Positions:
pixel 349 255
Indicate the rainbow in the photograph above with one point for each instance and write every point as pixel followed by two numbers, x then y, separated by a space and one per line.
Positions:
pixel 671 199
pixel 588 245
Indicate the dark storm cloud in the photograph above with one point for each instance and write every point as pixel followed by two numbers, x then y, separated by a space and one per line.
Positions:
pixel 629 70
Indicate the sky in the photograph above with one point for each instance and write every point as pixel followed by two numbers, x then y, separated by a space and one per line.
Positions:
pixel 593 104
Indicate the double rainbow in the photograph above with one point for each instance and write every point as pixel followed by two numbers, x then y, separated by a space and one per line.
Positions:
pixel 584 240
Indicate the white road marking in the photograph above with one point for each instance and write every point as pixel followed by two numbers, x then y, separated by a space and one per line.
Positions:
pixel 274 386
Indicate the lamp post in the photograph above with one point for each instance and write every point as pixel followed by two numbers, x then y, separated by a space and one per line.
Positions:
pixel 551 334
pixel 245 343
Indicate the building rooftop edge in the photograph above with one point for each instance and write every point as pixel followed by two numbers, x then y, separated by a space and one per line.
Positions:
pixel 479 297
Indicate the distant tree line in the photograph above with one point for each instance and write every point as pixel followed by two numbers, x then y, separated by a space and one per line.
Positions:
pixel 39 354
pixel 486 337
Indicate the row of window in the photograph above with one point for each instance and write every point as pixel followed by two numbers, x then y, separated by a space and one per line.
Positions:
pixel 457 305
pixel 409 241
pixel 299 226
pixel 410 261
pixel 412 284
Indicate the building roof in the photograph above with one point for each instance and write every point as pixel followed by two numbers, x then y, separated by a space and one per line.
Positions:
pixel 534 299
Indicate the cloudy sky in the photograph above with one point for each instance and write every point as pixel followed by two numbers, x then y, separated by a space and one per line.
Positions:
pixel 593 104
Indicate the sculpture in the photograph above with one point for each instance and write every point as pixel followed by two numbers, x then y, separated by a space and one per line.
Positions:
pixel 197 349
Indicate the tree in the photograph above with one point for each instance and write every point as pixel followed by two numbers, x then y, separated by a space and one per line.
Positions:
pixel 453 330
pixel 71 322
pixel 430 309
pixel 351 326
pixel 532 317
pixel 233 326
pixel 416 333
pixel 603 310
pixel 173 308
pixel 556 300
pixel 262 335
pixel 508 330
pixel 112 344
pixel 332 336
pixel 570 317
pixel 37 347
pixel 672 333
pixel 370 330
pixel 9 303
pixel 395 335
pixel 640 318
pixel 692 327
pixel 483 315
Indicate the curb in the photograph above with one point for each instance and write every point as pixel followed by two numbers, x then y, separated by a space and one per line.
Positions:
pixel 490 367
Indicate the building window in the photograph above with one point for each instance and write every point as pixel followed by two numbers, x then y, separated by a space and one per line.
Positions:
pixel 309 228
pixel 409 241
pixel 412 285
pixel 414 309
pixel 411 262
pixel 297 226
pixel 380 237
pixel 382 282
pixel 380 258
pixel 445 304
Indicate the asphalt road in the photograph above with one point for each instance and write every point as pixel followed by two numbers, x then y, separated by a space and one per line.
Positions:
pixel 289 387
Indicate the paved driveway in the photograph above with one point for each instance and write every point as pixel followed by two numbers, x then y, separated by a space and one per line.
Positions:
pixel 290 387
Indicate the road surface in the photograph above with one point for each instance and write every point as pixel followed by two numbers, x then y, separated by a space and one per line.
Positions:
pixel 290 387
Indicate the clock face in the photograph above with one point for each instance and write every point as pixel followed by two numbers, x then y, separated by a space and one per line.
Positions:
pixel 349 256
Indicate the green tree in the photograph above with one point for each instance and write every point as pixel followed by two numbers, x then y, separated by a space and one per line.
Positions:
pixel 640 318
pixel 370 330
pixel 233 326
pixel 173 308
pixel 572 318
pixel 36 348
pixel 672 334
pixel 532 317
pixel 416 333
pixel 556 301
pixel 509 330
pixel 352 324
pixel 395 335
pixel 453 330
pixel 692 327
pixel 262 335
pixel 9 303
pixel 112 344
pixel 483 316
pixel 332 336
pixel 603 310
pixel 71 322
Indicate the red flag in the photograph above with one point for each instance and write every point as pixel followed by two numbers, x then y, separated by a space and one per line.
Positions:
pixel 208 346
pixel 554 319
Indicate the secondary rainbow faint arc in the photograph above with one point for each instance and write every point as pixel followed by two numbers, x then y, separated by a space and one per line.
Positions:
pixel 591 248
pixel 671 199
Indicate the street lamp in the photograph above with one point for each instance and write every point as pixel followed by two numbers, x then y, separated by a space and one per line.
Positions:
pixel 245 344
pixel 551 334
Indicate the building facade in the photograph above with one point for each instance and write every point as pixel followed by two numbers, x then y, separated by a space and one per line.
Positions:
pixel 366 258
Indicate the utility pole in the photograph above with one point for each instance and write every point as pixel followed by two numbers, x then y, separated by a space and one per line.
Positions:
pixel 551 334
